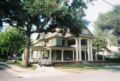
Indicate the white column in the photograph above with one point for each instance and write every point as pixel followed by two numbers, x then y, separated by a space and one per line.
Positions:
pixel 79 49
pixel 96 57
pixel 50 55
pixel 91 50
pixel 76 49
pixel 37 55
pixel 73 55
pixel 103 57
pixel 62 56
pixel 88 50
pixel 66 42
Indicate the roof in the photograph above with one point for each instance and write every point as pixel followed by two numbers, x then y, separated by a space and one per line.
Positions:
pixel 85 33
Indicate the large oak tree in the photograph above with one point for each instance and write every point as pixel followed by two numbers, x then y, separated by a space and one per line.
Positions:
pixel 33 16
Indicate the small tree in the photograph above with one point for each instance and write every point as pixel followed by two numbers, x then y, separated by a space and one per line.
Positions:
pixel 11 41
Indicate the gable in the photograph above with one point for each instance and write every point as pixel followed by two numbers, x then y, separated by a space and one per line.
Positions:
pixel 86 31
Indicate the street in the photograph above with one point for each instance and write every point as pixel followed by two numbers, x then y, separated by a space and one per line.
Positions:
pixel 50 74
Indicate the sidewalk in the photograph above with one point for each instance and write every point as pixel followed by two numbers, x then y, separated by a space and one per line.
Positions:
pixel 39 72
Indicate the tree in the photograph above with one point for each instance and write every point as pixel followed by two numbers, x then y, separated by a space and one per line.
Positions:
pixel 11 42
pixel 110 21
pixel 39 16
pixel 107 25
pixel 100 40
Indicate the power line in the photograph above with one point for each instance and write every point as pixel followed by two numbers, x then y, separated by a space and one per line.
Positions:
pixel 109 3
pixel 112 5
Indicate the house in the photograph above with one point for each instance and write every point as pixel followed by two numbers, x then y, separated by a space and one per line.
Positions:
pixel 59 48
pixel 113 50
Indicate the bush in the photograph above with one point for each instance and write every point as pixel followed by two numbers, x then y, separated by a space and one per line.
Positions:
pixel 112 59
pixel 2 59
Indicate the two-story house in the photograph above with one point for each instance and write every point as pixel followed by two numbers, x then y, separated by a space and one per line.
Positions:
pixel 67 48
pixel 113 50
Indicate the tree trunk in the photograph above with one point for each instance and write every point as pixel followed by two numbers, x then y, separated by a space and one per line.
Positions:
pixel 27 51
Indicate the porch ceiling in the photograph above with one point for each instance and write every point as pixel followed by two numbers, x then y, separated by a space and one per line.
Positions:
pixel 62 48
pixel 40 48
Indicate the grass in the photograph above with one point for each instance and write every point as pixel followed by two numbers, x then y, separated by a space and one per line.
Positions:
pixel 88 66
pixel 2 60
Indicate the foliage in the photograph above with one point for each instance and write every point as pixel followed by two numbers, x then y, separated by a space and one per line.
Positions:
pixel 11 42
pixel 100 39
pixel 110 21
pixel 2 59
pixel 107 28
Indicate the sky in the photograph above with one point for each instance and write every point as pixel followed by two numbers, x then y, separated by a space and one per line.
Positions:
pixel 99 6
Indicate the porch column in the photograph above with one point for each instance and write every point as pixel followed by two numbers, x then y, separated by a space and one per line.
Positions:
pixel 79 49
pixel 91 50
pixel 76 49
pixel 88 50
pixel 50 55
pixel 37 55
pixel 73 55
pixel 62 56
pixel 66 42
pixel 103 57
pixel 96 57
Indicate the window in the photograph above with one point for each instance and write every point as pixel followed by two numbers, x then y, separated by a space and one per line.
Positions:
pixel 71 42
pixel 83 42
pixel 119 41
pixel 63 42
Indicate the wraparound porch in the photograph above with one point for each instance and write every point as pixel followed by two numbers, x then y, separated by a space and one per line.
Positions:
pixel 58 54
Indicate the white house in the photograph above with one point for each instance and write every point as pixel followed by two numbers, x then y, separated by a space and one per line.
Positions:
pixel 58 48
pixel 113 50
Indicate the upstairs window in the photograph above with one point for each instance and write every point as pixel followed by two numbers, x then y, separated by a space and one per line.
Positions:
pixel 119 41
pixel 63 42
pixel 83 42
pixel 71 42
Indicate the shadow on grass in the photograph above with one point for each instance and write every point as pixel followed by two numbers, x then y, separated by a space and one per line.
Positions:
pixel 112 67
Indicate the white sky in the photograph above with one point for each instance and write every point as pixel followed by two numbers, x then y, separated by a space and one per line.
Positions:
pixel 99 7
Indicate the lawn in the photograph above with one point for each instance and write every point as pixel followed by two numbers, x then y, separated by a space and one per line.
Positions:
pixel 90 66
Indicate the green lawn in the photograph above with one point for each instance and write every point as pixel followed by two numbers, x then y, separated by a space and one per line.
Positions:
pixel 90 66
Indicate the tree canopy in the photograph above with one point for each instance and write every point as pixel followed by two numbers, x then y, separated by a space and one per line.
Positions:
pixel 107 28
pixel 24 14
pixel 12 41
pixel 110 21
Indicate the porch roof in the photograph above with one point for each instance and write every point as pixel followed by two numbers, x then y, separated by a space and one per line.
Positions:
pixel 40 48
pixel 62 48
